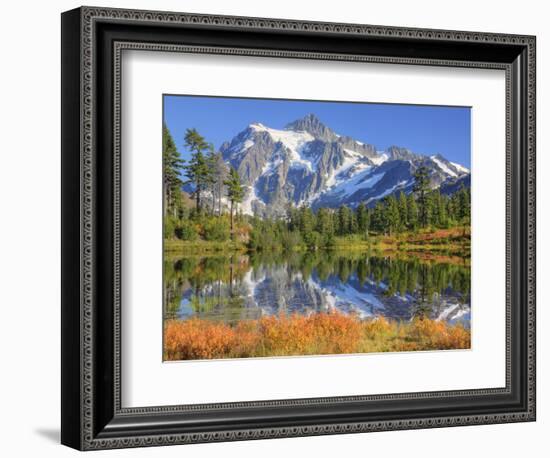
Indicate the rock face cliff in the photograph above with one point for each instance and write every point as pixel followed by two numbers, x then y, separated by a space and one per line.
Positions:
pixel 307 163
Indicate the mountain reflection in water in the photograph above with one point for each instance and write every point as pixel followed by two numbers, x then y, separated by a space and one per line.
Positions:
pixel 247 286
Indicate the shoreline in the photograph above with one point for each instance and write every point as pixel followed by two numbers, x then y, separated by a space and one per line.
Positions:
pixel 448 245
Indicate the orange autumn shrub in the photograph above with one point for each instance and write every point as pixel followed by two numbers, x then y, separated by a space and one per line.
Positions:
pixel 247 339
pixel 321 333
pixel 317 334
pixel 336 333
pixel 438 335
pixel 198 339
pixel 285 335
pixel 378 325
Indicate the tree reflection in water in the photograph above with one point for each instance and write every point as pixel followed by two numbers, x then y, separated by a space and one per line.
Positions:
pixel 246 286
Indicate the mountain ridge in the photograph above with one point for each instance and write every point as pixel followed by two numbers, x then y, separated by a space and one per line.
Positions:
pixel 308 163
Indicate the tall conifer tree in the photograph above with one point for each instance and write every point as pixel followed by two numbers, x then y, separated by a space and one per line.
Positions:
pixel 363 219
pixel 171 165
pixel 402 203
pixel 235 193
pixel 421 188
pixel 412 212
pixel 197 170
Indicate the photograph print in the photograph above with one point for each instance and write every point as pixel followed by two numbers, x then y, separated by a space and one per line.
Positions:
pixel 306 228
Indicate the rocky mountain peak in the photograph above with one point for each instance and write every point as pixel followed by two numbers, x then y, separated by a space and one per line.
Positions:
pixel 400 153
pixel 307 163
pixel 313 125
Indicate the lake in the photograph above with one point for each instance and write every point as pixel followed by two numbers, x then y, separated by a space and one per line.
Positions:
pixel 240 286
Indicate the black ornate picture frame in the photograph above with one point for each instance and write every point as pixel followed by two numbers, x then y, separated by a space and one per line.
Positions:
pixel 92 42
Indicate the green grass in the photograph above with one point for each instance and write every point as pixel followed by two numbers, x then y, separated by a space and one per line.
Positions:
pixel 436 243
pixel 452 245
pixel 201 246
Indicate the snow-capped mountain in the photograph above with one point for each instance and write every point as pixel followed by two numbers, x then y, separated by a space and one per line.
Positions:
pixel 308 163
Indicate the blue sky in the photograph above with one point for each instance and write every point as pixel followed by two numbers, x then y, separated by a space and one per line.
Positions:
pixel 422 129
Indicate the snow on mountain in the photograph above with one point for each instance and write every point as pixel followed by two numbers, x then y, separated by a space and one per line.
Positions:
pixel 363 179
pixel 308 163
pixel 250 197
pixel 296 142
pixel 460 168
pixel 387 192
pixel 382 157
pixel 350 167
pixel 443 166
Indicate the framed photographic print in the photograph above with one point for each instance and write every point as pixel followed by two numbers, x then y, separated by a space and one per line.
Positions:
pixel 299 241
pixel 276 228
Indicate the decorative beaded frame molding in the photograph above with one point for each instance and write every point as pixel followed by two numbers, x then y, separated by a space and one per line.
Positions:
pixel 122 46
pixel 88 438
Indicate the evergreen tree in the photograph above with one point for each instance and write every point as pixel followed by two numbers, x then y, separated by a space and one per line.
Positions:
pixel 421 188
pixel 197 170
pixel 171 165
pixel 307 220
pixel 378 218
pixel 412 212
pixel 235 192
pixel 363 219
pixel 336 221
pixel 353 225
pixel 464 209
pixel 429 206
pixel 440 209
pixel 391 214
pixel 324 223
pixel 293 218
pixel 463 200
pixel 211 160
pixel 344 216
pixel 452 213
pixel 220 172
pixel 403 210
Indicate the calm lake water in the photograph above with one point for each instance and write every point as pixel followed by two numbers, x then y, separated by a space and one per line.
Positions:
pixel 232 288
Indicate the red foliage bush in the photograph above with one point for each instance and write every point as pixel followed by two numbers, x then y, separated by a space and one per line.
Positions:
pixel 317 334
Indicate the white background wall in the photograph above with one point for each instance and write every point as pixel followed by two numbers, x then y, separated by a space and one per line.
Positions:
pixel 30 214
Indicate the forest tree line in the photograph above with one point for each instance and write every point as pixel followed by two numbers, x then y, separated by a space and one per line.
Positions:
pixel 214 183
pixel 392 215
